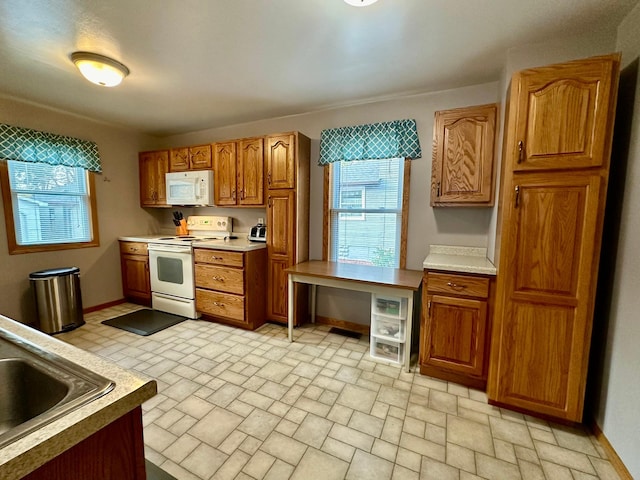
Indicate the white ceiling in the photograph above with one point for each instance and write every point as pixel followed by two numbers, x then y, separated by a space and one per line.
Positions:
pixel 198 64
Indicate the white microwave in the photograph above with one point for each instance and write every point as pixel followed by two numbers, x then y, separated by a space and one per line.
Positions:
pixel 190 188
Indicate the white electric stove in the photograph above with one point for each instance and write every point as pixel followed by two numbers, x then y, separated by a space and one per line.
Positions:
pixel 171 264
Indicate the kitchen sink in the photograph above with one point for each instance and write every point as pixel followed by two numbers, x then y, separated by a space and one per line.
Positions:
pixel 39 387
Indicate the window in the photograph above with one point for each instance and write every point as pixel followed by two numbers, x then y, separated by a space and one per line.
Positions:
pixel 366 221
pixel 47 207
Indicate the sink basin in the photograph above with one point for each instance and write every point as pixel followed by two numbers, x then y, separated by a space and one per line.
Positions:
pixel 39 387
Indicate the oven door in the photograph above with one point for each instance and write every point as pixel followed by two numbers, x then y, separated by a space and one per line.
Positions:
pixel 171 270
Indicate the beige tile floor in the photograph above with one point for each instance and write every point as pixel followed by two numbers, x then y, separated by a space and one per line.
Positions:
pixel 234 404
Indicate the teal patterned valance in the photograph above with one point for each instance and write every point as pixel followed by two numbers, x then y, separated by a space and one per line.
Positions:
pixel 396 139
pixel 27 145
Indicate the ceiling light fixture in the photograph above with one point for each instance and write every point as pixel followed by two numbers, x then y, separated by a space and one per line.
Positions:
pixel 361 3
pixel 98 69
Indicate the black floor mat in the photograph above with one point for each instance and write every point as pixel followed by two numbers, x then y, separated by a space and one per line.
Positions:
pixel 156 473
pixel 144 322
pixel 345 333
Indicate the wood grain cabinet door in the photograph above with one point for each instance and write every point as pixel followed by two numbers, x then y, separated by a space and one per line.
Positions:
pixel 200 157
pixel 281 223
pixel 456 334
pixel 463 150
pixel 224 173
pixel 562 116
pixel 281 161
pixel 543 326
pixel 251 172
pixel 153 167
pixel 179 159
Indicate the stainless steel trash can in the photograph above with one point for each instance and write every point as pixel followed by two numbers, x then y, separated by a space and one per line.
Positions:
pixel 58 299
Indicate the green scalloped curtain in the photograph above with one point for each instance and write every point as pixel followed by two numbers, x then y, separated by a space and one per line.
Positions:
pixel 26 145
pixel 396 139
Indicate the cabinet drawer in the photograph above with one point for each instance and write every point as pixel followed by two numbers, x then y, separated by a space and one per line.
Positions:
pixel 133 248
pixel 218 257
pixel 220 304
pixel 457 285
pixel 229 280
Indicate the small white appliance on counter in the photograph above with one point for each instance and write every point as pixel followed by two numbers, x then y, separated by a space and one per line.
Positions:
pixel 171 264
pixel 258 233
pixel 190 188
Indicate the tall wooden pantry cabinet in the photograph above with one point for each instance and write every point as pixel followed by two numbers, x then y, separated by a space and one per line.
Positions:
pixel 555 172
pixel 287 159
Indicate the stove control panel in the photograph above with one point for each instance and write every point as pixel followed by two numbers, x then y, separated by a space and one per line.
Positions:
pixel 210 223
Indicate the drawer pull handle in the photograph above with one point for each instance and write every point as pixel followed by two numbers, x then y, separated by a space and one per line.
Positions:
pixel 218 279
pixel 218 304
pixel 455 286
pixel 216 258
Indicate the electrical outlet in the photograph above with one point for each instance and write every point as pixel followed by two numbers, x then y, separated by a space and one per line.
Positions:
pixel 261 221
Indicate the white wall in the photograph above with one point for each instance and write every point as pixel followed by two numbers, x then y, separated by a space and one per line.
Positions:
pixel 451 226
pixel 118 212
pixel 617 408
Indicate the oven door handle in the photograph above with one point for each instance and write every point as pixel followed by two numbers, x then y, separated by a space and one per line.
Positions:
pixel 155 247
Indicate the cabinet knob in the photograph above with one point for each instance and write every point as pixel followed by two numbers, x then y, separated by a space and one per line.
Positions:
pixel 218 304
pixel 438 189
pixel 517 199
pixel 455 286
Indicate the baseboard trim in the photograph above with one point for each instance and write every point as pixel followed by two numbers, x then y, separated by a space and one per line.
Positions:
pixel 343 324
pixel 95 308
pixel 615 460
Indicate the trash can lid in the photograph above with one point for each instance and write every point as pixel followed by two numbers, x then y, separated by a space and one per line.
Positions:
pixel 54 272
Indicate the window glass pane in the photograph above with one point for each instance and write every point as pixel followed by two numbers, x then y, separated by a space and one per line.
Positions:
pixel 50 203
pixel 366 212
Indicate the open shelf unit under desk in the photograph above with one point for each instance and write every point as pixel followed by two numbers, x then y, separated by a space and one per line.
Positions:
pixel 381 281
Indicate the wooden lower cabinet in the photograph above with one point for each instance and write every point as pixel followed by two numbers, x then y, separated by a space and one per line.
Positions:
pixel 115 452
pixel 134 264
pixel 456 320
pixel 230 286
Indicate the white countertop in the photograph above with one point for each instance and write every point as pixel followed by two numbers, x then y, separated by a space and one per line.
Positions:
pixel 241 244
pixel 35 449
pixel 459 259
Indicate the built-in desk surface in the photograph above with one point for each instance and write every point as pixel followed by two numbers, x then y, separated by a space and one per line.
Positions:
pixel 364 278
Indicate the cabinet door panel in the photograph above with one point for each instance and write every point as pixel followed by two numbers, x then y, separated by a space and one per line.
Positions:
pixel 251 172
pixel 541 353
pixel 563 115
pixel 277 289
pixel 224 173
pixel 162 167
pixel 544 319
pixel 281 223
pixel 280 157
pixel 179 159
pixel 463 151
pixel 456 334
pixel 200 157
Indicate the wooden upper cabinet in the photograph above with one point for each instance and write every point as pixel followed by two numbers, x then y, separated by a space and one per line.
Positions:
pixel 251 172
pixel 462 172
pixel 190 158
pixel 239 172
pixel 562 117
pixel 224 173
pixel 153 167
pixel 280 158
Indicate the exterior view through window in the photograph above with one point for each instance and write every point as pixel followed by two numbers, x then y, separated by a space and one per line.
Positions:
pixel 366 212
pixel 51 203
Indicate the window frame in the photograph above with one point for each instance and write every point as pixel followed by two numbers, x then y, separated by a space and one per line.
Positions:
pixel 7 201
pixel 326 221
